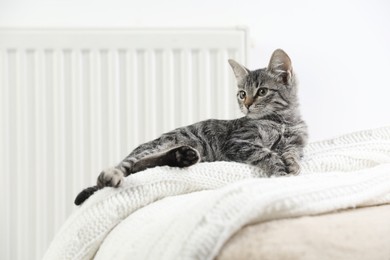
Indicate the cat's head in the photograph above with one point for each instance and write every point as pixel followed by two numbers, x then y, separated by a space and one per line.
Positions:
pixel 267 91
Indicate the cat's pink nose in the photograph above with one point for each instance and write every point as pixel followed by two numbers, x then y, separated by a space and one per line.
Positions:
pixel 248 104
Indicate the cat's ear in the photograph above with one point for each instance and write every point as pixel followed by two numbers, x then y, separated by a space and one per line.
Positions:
pixel 280 65
pixel 239 71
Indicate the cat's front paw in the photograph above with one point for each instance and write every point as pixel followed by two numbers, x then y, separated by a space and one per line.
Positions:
pixel 274 166
pixel 111 177
pixel 292 164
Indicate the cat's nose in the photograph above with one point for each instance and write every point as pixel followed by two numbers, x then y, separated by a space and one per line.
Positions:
pixel 248 102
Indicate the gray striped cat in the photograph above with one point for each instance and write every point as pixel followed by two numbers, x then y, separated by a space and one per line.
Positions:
pixel 271 135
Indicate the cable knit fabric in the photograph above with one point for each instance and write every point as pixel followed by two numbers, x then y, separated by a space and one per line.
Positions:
pixel 171 213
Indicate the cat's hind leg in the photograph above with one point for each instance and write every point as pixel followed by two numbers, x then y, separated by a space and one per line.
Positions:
pixel 182 156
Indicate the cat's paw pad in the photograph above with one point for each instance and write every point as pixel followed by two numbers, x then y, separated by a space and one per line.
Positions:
pixel 111 177
pixel 292 165
pixel 280 173
pixel 186 156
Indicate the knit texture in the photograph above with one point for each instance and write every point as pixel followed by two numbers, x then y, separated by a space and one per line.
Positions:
pixel 171 213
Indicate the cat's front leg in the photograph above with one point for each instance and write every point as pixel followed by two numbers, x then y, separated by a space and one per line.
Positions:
pixel 274 165
pixel 291 160
pixel 255 154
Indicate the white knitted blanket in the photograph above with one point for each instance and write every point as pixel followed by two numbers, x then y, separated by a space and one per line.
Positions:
pixel 171 213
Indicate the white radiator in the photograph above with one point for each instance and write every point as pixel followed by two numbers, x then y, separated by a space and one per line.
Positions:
pixel 73 102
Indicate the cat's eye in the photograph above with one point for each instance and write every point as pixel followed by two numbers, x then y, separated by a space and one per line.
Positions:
pixel 262 92
pixel 241 94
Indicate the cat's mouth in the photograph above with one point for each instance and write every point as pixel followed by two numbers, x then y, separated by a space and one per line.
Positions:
pixel 249 112
pixel 245 110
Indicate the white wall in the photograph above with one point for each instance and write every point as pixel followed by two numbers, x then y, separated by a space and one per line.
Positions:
pixel 340 49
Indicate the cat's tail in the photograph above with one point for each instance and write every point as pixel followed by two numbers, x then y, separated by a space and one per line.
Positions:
pixel 85 194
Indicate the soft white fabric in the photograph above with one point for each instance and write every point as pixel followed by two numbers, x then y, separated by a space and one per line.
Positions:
pixel 170 213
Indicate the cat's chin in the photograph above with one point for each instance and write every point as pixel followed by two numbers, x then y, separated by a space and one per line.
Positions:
pixel 256 114
pixel 252 115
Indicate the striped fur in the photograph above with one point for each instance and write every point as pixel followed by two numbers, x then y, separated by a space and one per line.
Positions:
pixel 271 135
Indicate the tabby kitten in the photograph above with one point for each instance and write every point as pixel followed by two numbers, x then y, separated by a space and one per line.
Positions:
pixel 271 135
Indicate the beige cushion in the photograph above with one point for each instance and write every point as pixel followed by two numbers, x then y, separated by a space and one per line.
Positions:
pixel 353 234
